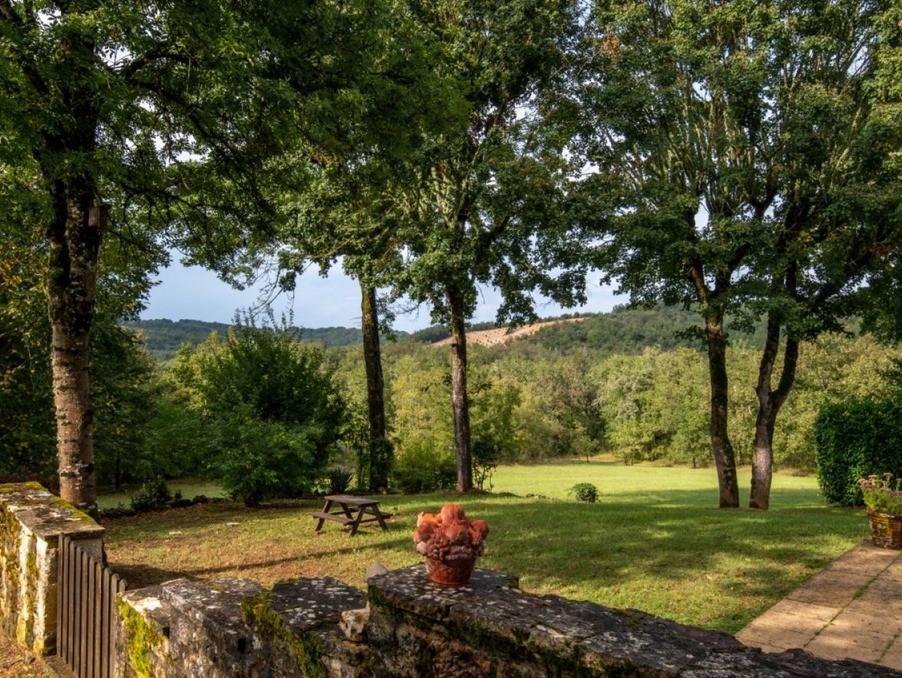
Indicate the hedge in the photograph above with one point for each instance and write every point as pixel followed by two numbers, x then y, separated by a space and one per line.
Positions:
pixel 855 438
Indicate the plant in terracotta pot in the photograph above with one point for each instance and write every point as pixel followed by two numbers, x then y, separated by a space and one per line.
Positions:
pixel 883 497
pixel 451 543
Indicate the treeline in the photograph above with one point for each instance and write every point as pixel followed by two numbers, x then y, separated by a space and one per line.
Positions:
pixel 624 330
pixel 230 408
pixel 163 338
pixel 530 402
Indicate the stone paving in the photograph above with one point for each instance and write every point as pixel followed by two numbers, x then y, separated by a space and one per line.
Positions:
pixel 851 609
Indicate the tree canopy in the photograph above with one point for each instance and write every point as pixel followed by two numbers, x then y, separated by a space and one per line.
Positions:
pixel 743 164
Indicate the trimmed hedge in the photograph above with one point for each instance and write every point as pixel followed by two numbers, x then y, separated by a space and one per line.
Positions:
pixel 855 438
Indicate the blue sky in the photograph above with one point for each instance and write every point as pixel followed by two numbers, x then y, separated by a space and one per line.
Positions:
pixel 197 294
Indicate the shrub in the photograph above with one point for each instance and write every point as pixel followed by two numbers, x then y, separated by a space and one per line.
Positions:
pixel 586 492
pixel 339 480
pixel 151 496
pixel 273 407
pixel 882 495
pixel 856 438
pixel 423 469
pixel 486 455
pixel 264 460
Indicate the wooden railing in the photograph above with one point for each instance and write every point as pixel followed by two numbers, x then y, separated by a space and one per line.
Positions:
pixel 87 618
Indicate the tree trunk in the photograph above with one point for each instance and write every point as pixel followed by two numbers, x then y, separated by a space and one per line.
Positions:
pixel 375 389
pixel 769 404
pixel 74 239
pixel 459 391
pixel 724 458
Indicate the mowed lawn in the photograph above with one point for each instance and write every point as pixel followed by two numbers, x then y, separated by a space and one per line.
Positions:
pixel 654 541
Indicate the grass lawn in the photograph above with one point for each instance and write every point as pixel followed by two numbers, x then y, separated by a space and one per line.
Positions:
pixel 654 540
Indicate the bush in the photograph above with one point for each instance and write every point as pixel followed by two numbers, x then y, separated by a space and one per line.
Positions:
pixel 151 496
pixel 266 460
pixel 486 455
pixel 856 438
pixel 273 407
pixel 423 469
pixel 586 492
pixel 339 480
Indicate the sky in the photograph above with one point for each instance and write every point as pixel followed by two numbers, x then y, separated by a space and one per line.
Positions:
pixel 194 293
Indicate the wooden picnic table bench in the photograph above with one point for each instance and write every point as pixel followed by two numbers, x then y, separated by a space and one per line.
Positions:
pixel 350 510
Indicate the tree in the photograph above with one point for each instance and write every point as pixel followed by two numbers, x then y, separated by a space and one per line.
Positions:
pixel 741 168
pixel 336 202
pixel 170 114
pixel 275 407
pixel 122 370
pixel 484 205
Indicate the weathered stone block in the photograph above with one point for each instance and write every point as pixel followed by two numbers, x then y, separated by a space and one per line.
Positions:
pixel 491 628
pixel 31 522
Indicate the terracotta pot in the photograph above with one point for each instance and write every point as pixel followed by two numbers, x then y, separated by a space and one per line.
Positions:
pixel 886 530
pixel 449 573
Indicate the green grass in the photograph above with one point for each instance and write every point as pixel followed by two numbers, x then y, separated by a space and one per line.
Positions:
pixel 189 488
pixel 654 541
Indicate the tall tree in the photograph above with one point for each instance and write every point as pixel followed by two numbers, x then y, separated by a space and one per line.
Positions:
pixel 741 168
pixel 170 113
pixel 484 207
pixel 336 201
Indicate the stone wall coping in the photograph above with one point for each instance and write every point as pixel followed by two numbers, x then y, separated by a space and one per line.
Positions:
pixel 45 514
pixel 493 615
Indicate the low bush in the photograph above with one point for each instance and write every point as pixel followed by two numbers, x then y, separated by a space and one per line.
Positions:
pixel 586 492
pixel 151 496
pixel 339 480
pixel 856 438
pixel 424 469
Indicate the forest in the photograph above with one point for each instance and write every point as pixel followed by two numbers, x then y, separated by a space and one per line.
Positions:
pixel 631 384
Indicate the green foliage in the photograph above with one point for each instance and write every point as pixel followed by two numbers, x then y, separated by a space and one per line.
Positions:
pixel 631 330
pixel 485 456
pixel 586 492
pixel 273 405
pixel 123 385
pixel 882 495
pixel 339 480
pixel 151 496
pixel 422 468
pixel 380 459
pixel 855 438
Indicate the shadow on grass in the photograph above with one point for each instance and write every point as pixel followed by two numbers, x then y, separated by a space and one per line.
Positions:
pixel 140 575
pixel 612 540
pixel 654 550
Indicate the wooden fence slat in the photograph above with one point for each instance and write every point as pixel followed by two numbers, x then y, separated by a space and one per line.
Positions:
pixel 77 591
pixel 83 616
pixel 73 602
pixel 103 634
pixel 69 602
pixel 87 617
pixel 60 592
pixel 97 622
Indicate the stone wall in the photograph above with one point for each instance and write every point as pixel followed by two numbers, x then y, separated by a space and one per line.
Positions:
pixel 316 627
pixel 31 522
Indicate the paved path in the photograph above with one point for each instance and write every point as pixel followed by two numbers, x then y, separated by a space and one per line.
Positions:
pixel 851 609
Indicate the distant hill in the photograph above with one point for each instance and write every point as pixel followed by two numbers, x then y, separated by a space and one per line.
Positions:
pixel 624 330
pixel 503 335
pixel 630 330
pixel 164 337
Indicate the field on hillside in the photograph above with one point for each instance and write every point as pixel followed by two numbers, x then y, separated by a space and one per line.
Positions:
pixel 654 540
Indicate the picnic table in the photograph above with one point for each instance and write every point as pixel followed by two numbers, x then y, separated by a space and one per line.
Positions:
pixel 350 510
